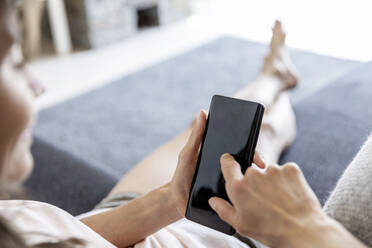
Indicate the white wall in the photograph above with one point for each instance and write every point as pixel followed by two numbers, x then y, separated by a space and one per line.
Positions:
pixel 341 28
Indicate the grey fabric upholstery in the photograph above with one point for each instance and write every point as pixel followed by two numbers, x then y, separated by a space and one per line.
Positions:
pixel 66 181
pixel 112 128
pixel 332 126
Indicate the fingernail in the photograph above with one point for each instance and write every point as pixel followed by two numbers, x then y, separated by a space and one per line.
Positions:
pixel 226 156
pixel 263 160
pixel 198 118
pixel 211 203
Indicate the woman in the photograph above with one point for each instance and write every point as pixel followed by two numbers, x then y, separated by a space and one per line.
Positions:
pixel 282 211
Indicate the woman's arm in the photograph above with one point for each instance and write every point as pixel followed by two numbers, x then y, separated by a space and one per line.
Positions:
pixel 132 222
pixel 321 231
pixel 277 207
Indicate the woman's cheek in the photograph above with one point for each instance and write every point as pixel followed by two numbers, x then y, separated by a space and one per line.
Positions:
pixel 16 117
pixel 21 165
pixel 18 112
pixel 16 141
pixel 19 97
pixel 23 160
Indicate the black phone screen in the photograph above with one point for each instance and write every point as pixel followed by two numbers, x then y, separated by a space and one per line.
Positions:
pixel 232 127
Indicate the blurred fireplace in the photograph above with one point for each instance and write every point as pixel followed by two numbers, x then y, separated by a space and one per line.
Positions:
pixel 148 17
pixel 96 23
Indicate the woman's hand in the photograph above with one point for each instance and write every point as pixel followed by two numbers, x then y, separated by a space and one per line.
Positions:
pixel 182 178
pixel 187 159
pixel 269 204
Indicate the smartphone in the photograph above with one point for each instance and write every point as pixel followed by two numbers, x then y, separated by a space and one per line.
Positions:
pixel 232 127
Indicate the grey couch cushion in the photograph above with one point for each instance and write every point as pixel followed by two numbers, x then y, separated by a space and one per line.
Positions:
pixel 66 181
pixel 332 125
pixel 115 126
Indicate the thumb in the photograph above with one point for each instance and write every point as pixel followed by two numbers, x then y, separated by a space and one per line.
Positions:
pixel 223 208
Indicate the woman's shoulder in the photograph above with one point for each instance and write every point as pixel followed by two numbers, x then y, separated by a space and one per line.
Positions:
pixel 41 221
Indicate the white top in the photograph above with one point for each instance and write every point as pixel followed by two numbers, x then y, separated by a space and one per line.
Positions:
pixel 40 222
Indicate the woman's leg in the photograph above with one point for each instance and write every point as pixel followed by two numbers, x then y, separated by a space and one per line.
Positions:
pixel 277 73
pixel 277 132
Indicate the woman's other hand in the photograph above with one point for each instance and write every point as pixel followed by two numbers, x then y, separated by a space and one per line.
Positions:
pixel 268 204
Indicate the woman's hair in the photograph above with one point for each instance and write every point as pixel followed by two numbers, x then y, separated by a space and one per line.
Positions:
pixel 2 8
pixel 9 236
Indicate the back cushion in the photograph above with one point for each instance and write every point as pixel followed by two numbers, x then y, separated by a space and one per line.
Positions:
pixel 332 125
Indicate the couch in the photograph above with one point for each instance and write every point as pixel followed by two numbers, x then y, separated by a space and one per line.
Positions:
pixel 84 145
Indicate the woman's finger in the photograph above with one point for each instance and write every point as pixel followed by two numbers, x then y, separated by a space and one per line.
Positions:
pixel 231 169
pixel 197 131
pixel 223 208
pixel 259 161
pixel 190 150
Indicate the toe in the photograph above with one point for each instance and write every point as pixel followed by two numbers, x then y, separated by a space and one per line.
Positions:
pixel 277 25
pixel 278 37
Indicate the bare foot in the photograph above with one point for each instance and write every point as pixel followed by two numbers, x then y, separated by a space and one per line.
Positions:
pixel 277 62
pixel 278 73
